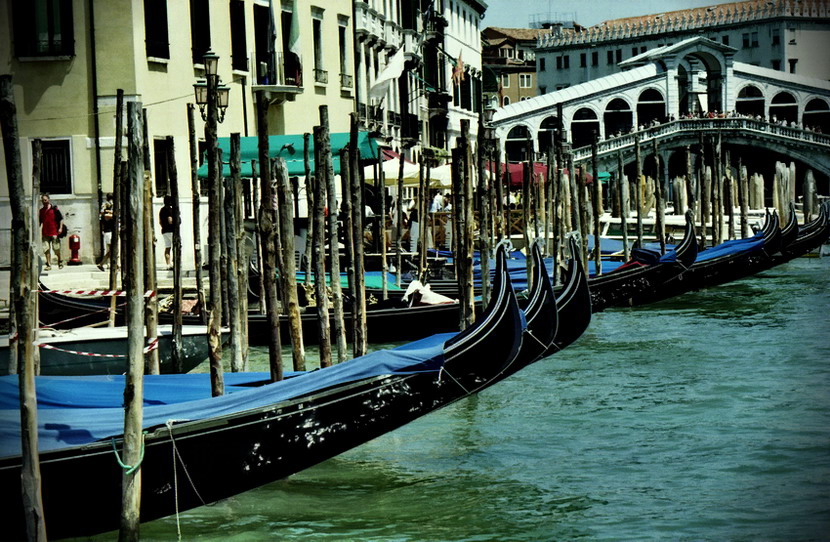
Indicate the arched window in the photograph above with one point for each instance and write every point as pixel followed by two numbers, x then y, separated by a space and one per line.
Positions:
pixel 505 100
pixel 617 117
pixel 750 101
pixel 783 107
pixel 651 106
pixel 583 126
pixel 515 144
pixel 817 115
pixel 546 131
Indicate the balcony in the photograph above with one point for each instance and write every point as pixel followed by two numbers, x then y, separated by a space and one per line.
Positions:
pixel 361 111
pixel 278 75
pixel 393 118
pixel 368 22
pixel 438 102
pixel 321 76
pixel 376 113
pixel 346 81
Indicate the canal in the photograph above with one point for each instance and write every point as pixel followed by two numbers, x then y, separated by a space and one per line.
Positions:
pixel 705 417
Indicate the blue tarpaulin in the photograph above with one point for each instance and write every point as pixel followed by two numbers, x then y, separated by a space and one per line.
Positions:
pixel 77 425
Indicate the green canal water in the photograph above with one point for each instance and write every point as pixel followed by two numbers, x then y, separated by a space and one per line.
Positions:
pixel 706 417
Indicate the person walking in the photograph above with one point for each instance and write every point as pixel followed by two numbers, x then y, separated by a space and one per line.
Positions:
pixel 51 225
pixel 107 220
pixel 166 219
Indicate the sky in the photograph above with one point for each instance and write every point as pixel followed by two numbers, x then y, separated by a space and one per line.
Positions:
pixel 516 13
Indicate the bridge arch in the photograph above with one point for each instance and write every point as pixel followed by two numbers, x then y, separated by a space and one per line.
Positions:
pixel 547 128
pixel 651 106
pixel 583 124
pixel 784 106
pixel 816 115
pixel 617 118
pixel 700 77
pixel 750 101
pixel 515 145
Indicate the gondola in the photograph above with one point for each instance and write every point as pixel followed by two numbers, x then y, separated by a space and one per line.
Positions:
pixel 726 262
pixel 573 302
pixel 618 287
pixel 810 237
pixel 222 446
pixel 102 351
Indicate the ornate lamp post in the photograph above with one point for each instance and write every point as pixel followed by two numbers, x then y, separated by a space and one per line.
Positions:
pixel 212 99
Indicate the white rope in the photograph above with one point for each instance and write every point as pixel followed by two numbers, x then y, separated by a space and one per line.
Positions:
pixel 175 449
pixel 460 385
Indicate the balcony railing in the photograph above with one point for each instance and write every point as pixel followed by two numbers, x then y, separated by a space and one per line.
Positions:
pixel 346 80
pixel 376 113
pixel 278 69
pixel 393 118
pixel 321 76
pixel 361 111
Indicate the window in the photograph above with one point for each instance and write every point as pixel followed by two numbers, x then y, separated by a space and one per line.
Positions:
pixel 609 57
pixel 466 94
pixel 559 63
pixel 320 74
pixel 754 37
pixel 43 28
pixel 594 58
pixel 520 54
pixel 776 36
pixel 745 40
pixel 619 56
pixel 793 62
pixel 776 64
pixel 505 100
pixel 643 49
pixel 525 80
pixel 505 80
pixel 56 168
pixel 292 67
pixel 634 51
pixel 161 172
pixel 725 39
pixel 791 36
pixel 239 49
pixel 541 64
pixel 583 60
pixel 199 29
pixel 566 62
pixel 342 27
pixel 543 90
pixel 155 29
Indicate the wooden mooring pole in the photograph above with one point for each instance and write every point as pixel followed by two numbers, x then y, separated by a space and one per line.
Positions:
pixel 232 262
pixel 399 224
pixel 320 295
pixel 597 200
pixel 325 174
pixel 118 170
pixel 151 308
pixel 638 194
pixel 133 442
pixel 267 232
pixel 659 200
pixel 359 291
pixel 310 190
pixel 625 205
pixel 193 154
pixel 176 352
pixel 22 309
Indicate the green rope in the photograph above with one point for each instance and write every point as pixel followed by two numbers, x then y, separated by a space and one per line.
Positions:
pixel 128 468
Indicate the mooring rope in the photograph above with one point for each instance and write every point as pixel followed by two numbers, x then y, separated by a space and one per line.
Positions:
pixel 129 468
pixel 176 453
pixel 460 385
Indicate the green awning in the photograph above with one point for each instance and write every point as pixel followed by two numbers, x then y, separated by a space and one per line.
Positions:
pixel 278 146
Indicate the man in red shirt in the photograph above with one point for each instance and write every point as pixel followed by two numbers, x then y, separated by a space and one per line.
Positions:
pixel 51 224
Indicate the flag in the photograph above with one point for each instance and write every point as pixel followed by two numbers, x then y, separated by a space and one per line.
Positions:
pixel 458 71
pixel 393 70
pixel 294 43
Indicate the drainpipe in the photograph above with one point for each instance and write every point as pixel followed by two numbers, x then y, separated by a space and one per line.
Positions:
pixel 97 126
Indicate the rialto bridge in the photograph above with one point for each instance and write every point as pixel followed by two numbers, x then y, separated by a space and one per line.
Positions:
pixel 680 96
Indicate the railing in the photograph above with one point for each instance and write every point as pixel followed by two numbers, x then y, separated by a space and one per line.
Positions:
pixel 361 110
pixel 728 124
pixel 321 76
pixel 690 20
pixel 376 113
pixel 393 118
pixel 345 80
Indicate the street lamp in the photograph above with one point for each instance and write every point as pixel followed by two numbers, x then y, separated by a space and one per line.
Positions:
pixel 205 88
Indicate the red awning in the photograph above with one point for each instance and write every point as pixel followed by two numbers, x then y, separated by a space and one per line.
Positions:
pixel 517 172
pixel 389 154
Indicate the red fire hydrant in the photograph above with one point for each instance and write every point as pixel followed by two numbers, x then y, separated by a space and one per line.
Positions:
pixel 74 247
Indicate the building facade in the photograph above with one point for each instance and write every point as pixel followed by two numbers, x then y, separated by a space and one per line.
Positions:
pixel 421 112
pixel 781 35
pixel 68 58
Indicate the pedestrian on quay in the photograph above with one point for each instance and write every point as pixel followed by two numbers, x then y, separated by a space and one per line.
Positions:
pixel 414 226
pixel 107 221
pixel 166 219
pixel 51 227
